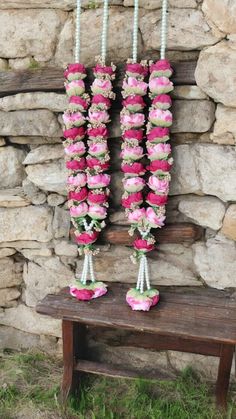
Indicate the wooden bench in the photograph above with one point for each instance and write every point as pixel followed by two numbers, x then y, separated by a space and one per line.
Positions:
pixel 196 320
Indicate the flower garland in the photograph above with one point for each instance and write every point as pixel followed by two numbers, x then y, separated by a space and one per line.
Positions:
pixel 87 159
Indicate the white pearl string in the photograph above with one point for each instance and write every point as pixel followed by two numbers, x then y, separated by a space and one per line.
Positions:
pixel 92 276
pixel 143 275
pixel 163 29
pixel 77 32
pixel 135 31
pixel 104 31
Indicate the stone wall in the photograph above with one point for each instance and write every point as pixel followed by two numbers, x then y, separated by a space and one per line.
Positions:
pixel 36 255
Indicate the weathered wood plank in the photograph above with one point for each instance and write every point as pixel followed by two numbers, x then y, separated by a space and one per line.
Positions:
pixel 50 79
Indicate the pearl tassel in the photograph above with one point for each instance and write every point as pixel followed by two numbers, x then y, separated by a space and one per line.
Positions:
pixel 104 31
pixel 163 29
pixel 77 32
pixel 135 31
pixel 143 275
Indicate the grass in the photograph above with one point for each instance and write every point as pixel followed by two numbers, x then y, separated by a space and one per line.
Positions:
pixel 29 388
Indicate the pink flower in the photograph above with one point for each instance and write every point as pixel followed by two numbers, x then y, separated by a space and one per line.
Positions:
pixel 159 166
pixel 75 119
pixel 96 164
pixel 159 151
pixel 76 164
pixel 133 134
pixel 75 88
pixel 98 149
pixel 143 245
pixel 160 117
pixel 102 87
pixel 100 69
pixel 77 103
pixel 162 102
pixel 78 196
pixel 134 103
pixel 82 294
pixel 99 291
pixel 133 169
pixel 95 117
pixel 156 200
pixel 98 132
pixel 143 304
pixel 159 85
pixel 136 69
pixel 75 71
pixel 79 180
pixel 137 215
pixel 97 212
pixel 133 199
pixel 75 149
pixel 132 153
pixel 160 186
pixel 101 101
pixel 132 86
pixel 96 198
pixel 74 134
pixel 80 210
pixel 161 68
pixel 86 237
pixel 134 184
pixel 135 120
pixel 142 301
pixel 153 219
pixel 98 181
pixel 158 134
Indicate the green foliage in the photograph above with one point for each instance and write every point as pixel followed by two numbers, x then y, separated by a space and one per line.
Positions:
pixel 29 384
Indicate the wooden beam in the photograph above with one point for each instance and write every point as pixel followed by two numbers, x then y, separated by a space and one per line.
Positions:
pixel 172 233
pixel 48 79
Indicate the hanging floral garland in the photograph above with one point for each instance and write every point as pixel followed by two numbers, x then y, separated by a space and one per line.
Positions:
pixel 146 187
pixel 87 157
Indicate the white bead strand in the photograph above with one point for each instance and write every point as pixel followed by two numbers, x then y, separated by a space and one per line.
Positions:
pixel 163 29
pixel 92 276
pixel 77 32
pixel 104 31
pixel 135 31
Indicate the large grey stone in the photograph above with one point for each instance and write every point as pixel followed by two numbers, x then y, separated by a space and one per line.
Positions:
pixel 10 273
pixel 27 223
pixel 44 153
pixel 36 100
pixel 61 223
pixel 225 126
pixel 40 123
pixel 30 32
pixel 188 92
pixel 221 13
pixel 6 252
pixel 192 115
pixel 215 261
pixel 34 140
pixel 11 198
pixel 49 176
pixel 229 224
pixel 187 30
pixel 12 172
pixel 204 169
pixel 12 338
pixel 215 73
pixel 8 297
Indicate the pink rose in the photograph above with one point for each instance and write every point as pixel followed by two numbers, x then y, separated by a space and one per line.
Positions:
pixel 159 151
pixel 74 134
pixel 161 68
pixel 76 164
pixel 78 196
pixel 77 103
pixel 80 210
pixel 82 294
pixel 75 71
pixel 133 134
pixel 153 219
pixel 137 215
pixel 134 184
pixel 160 186
pixel 160 117
pixel 159 85
pixel 102 87
pixel 96 198
pixel 98 149
pixel 79 180
pixel 156 200
pixel 75 149
pixel 75 88
pixel 86 237
pixel 132 200
pixel 75 119
pixel 98 132
pixel 132 86
pixel 143 304
pixel 159 166
pixel 95 117
pixel 159 134
pixel 101 101
pixel 142 301
pixel 133 169
pixel 136 70
pixel 98 181
pixel 134 103
pixel 97 212
pixel 132 153
pixel 162 102
pixel 99 291
pixel 135 120
pixel 96 164
pixel 143 245
pixel 100 69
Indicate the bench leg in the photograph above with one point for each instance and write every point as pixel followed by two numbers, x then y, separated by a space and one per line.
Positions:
pixel 73 337
pixel 222 385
